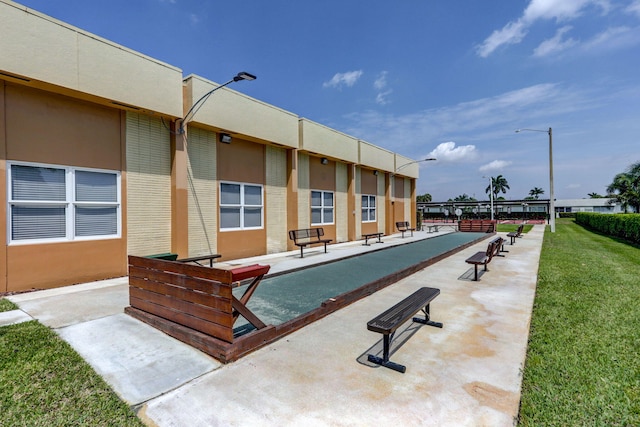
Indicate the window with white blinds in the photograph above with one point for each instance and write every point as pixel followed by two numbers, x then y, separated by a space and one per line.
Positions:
pixel 57 203
pixel 368 208
pixel 241 206
pixel 321 207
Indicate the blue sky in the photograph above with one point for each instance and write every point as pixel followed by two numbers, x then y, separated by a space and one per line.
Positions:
pixel 448 79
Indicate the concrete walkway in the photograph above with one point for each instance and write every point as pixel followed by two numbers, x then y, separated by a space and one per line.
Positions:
pixel 466 374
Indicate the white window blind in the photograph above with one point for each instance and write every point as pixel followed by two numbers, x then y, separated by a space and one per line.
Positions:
pixel 241 206
pixel 322 207
pixel 49 203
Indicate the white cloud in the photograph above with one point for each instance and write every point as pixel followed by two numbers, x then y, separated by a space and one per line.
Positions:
pixel 496 165
pixel 380 84
pixel 381 81
pixel 344 79
pixel 613 38
pixel 381 98
pixel 555 44
pixel 634 7
pixel 512 33
pixel 515 31
pixel 448 152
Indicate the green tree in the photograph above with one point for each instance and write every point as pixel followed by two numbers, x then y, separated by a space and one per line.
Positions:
pixel 423 198
pixel 500 185
pixel 595 196
pixel 535 192
pixel 625 188
pixel 463 198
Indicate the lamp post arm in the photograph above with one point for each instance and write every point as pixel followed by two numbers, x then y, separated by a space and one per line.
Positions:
pixel 196 106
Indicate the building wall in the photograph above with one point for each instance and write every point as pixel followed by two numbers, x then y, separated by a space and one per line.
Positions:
pixel 276 199
pixel 242 162
pixel 323 177
pixel 148 213
pixel 71 98
pixel 382 206
pixel 304 191
pixel 369 187
pixel 49 129
pixel 203 192
pixel 342 203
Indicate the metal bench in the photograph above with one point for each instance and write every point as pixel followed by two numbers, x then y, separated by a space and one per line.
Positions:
pixel 498 246
pixel 514 234
pixel 403 227
pixel 308 236
pixel 388 322
pixel 368 236
pixel 482 258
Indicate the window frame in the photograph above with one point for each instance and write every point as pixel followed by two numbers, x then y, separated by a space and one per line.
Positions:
pixel 69 204
pixel 242 206
pixel 369 209
pixel 323 207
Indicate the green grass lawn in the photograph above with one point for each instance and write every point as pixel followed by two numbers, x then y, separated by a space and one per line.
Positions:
pixel 583 360
pixel 44 382
pixel 508 228
pixel 6 305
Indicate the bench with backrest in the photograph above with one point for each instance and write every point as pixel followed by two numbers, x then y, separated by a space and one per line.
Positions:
pixel 308 236
pixel 403 227
pixel 514 234
pixel 388 322
pixel 498 243
pixel 483 258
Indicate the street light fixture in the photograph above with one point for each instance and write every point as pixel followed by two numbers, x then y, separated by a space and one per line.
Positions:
pixel 196 106
pixel 552 208
pixel 415 161
pixel 393 195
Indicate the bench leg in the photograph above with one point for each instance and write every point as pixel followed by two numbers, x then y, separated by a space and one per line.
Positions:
pixel 301 254
pixel 384 360
pixel 475 267
pixel 325 247
pixel 427 318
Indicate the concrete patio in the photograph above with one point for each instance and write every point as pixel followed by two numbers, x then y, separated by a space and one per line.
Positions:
pixel 466 374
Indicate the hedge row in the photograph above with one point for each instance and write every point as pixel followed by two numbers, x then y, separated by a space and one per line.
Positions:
pixel 625 226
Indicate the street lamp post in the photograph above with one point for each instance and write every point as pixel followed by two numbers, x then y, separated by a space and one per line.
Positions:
pixel 491 194
pixel 552 207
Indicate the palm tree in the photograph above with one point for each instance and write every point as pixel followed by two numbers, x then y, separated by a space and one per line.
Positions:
pixel 625 188
pixel 464 197
pixel 535 192
pixel 500 185
pixel 595 196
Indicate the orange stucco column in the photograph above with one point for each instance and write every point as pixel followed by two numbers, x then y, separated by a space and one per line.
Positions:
pixel 179 193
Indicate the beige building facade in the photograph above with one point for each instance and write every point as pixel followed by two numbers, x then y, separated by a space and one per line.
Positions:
pixel 97 163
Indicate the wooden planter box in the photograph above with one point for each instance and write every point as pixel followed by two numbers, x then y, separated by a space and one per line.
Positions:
pixel 195 304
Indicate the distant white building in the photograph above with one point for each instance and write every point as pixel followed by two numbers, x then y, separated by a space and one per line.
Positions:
pixel 602 205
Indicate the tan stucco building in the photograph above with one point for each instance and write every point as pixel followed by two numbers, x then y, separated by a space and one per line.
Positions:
pixel 97 164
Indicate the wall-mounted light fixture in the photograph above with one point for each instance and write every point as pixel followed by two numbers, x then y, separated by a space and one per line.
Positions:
pixel 324 161
pixel 375 173
pixel 225 137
